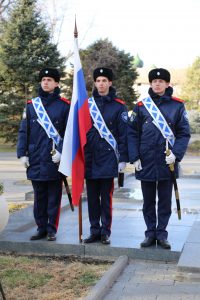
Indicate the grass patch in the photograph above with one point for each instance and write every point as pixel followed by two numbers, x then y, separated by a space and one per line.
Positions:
pixel 27 278
pixel 13 207
pixel 88 278
pixel 194 146
pixel 6 147
pixel 15 278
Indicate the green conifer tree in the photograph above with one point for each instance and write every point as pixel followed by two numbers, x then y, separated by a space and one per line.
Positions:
pixel 102 53
pixel 25 48
pixel 191 91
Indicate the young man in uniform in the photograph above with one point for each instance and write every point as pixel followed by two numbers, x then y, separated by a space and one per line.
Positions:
pixel 155 119
pixel 105 153
pixel 41 131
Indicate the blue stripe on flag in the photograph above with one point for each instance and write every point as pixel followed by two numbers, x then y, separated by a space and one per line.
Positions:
pixel 76 137
pixel 82 94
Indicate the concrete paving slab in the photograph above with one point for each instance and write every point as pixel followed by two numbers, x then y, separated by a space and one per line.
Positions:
pixel 127 228
pixel 150 279
pixel 105 283
pixel 194 236
pixel 190 257
pixel 127 232
pixel 145 280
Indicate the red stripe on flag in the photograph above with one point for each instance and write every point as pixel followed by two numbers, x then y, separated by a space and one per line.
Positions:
pixel 85 124
pixel 78 170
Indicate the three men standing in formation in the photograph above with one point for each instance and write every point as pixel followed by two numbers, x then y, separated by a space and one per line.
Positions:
pixel 113 140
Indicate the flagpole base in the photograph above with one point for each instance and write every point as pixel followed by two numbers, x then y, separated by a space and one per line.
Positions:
pixel 80 220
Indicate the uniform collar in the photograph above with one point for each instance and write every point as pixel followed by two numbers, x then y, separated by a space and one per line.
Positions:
pixel 167 95
pixel 111 94
pixel 48 96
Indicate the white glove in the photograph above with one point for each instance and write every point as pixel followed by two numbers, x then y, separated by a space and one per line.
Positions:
pixel 170 159
pixel 56 157
pixel 25 161
pixel 121 167
pixel 138 165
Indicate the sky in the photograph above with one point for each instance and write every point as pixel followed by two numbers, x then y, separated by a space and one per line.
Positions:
pixel 163 33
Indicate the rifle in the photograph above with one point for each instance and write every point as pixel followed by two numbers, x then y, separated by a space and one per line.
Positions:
pixel 53 151
pixel 173 175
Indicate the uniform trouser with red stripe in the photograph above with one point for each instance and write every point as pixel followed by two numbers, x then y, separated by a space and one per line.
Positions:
pixel 47 200
pixel 99 195
pixel 157 222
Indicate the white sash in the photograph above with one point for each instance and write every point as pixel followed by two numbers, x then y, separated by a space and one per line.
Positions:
pixel 44 120
pixel 100 125
pixel 159 120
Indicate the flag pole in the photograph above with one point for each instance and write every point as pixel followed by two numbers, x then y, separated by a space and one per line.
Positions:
pixel 80 200
pixel 80 220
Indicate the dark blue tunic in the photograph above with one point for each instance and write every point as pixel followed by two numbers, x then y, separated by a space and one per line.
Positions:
pixel 146 142
pixel 33 140
pixel 101 161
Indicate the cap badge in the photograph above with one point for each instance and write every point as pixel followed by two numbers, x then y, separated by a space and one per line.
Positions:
pixel 158 73
pixel 46 72
pixel 101 71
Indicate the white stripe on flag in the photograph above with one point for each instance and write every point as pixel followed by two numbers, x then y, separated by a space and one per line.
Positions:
pixel 66 157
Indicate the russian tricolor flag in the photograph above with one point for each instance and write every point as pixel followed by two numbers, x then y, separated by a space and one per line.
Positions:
pixel 79 122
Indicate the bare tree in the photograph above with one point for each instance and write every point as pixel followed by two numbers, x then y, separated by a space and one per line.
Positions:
pixel 54 15
pixel 4 5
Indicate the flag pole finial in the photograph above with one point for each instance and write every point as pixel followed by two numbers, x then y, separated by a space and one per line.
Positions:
pixel 75 29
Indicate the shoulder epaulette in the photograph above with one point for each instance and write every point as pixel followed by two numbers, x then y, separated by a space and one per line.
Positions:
pixel 178 99
pixel 29 101
pixel 119 100
pixel 140 103
pixel 65 100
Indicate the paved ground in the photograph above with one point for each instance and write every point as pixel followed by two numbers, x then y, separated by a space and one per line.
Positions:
pixel 147 280
pixel 151 273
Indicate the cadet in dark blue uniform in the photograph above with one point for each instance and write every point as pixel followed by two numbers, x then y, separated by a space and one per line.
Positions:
pixel 104 156
pixel 35 144
pixel 147 146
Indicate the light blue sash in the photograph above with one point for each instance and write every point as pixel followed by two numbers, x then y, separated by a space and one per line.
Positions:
pixel 44 120
pixel 159 120
pixel 100 125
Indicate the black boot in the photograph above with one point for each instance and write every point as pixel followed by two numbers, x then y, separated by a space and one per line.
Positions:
pixel 51 236
pixel 164 244
pixel 92 238
pixel 105 239
pixel 38 235
pixel 148 241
